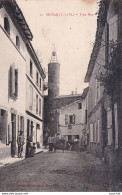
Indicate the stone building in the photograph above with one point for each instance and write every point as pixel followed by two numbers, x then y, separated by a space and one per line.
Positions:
pixel 16 54
pixel 34 97
pixel 73 119
pixel 104 77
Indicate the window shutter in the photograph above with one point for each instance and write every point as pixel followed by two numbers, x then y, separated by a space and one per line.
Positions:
pixel 40 83
pixel 31 98
pixel 73 119
pixel 10 133
pixel 12 79
pixel 39 106
pixel 36 104
pixel 16 82
pixel 66 119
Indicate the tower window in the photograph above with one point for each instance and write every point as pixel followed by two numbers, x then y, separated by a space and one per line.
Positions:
pixel 17 42
pixel 6 25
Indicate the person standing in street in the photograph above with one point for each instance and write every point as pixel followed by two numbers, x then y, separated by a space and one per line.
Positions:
pixel 20 142
pixel 50 142
pixel 54 140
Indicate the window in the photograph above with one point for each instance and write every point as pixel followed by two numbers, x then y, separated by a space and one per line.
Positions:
pixel 13 81
pixel 37 104
pixel 66 119
pixel 3 127
pixel 17 42
pixel 31 69
pixel 31 129
pixel 72 119
pixel 6 25
pixel 21 123
pixel 31 98
pixel 97 92
pixel 40 83
pixel 16 82
pixel 37 78
pixel 79 106
pixel 38 126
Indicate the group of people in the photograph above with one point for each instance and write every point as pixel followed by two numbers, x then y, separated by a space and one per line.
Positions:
pixel 52 143
pixel 30 146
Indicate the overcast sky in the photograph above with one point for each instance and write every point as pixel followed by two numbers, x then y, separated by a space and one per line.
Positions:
pixel 73 35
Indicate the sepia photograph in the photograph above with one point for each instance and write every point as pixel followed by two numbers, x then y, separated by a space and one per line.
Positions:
pixel 60 96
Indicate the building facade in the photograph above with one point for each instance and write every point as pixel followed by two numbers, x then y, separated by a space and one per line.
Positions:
pixel 73 119
pixel 14 37
pixel 104 77
pixel 34 97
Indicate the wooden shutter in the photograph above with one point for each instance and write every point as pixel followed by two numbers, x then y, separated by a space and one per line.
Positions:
pixel 10 132
pixel 16 82
pixel 22 123
pixel 39 106
pixel 66 119
pixel 12 79
pixel 31 98
pixel 73 119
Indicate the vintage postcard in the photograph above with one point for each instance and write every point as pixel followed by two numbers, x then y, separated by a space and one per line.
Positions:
pixel 60 96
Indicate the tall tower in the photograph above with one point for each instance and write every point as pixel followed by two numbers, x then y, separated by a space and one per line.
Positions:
pixel 53 91
pixel 53 77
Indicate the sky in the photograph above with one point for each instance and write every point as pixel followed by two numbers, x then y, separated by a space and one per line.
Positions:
pixel 71 33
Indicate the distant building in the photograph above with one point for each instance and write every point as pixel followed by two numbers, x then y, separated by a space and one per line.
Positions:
pixel 73 119
pixel 53 100
pixel 16 58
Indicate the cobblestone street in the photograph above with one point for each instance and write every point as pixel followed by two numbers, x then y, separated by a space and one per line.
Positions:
pixel 68 171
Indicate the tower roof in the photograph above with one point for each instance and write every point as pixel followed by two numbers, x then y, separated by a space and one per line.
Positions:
pixel 54 57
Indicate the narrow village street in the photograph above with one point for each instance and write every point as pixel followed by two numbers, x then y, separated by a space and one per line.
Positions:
pixel 68 171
